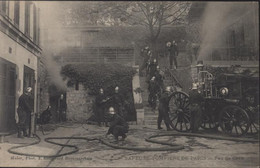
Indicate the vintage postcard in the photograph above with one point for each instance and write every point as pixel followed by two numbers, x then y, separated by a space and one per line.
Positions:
pixel 129 83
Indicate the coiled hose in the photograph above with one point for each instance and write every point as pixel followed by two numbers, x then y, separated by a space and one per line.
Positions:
pixel 169 147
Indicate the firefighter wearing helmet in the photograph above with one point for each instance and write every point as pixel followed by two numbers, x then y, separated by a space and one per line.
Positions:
pixel 118 125
pixel 164 109
pixel 25 110
pixel 153 89
pixel 145 55
pixel 195 99
pixel 118 103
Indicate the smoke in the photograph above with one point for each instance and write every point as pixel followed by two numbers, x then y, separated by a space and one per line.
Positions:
pixel 217 16
pixel 52 40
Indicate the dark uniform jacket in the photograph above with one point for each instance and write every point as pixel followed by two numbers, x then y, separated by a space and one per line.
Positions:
pixel 174 50
pixel 195 97
pixel 99 101
pixel 164 102
pixel 118 121
pixel 153 87
pixel 25 108
pixel 152 69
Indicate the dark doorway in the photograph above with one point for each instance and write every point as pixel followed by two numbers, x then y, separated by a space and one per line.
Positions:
pixel 7 95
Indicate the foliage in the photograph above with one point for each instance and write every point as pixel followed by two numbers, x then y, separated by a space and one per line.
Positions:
pixel 96 76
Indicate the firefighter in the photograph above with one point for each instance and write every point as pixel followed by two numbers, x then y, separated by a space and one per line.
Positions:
pixel 62 109
pixel 25 110
pixel 118 103
pixel 152 68
pixel 118 125
pixel 159 79
pixel 45 116
pixel 100 106
pixel 145 55
pixel 153 91
pixel 164 109
pixel 195 99
pixel 172 52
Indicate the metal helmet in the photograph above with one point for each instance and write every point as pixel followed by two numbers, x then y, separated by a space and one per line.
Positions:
pixel 154 60
pixel 194 86
pixel 168 44
pixel 153 78
pixel 111 110
pixel 28 90
pixel 168 89
pixel 157 67
pixel 101 91
pixel 146 48
pixel 116 89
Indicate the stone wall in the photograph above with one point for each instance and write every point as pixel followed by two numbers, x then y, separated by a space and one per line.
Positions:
pixel 79 104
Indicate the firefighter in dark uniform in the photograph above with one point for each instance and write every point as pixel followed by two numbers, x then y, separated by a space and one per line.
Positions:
pixel 118 103
pixel 145 55
pixel 62 109
pixel 118 125
pixel 159 79
pixel 195 99
pixel 25 110
pixel 153 92
pixel 100 106
pixel 164 109
pixel 174 54
pixel 152 68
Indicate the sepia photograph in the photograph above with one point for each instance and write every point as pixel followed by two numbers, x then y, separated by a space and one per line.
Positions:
pixel 129 83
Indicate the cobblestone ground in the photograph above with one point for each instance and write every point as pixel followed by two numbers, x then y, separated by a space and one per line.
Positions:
pixel 198 152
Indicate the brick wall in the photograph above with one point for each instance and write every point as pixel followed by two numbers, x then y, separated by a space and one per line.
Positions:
pixel 79 104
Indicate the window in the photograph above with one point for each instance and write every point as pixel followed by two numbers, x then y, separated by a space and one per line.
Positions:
pixel 16 12
pixel 27 18
pixel 34 24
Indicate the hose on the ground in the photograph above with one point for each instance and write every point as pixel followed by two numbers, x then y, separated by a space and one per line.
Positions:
pixel 170 146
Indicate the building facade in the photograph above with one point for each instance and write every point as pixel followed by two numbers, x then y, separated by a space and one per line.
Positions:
pixel 19 56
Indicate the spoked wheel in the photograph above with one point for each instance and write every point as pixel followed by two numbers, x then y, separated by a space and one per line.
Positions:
pixel 208 122
pixel 179 111
pixel 234 120
pixel 254 121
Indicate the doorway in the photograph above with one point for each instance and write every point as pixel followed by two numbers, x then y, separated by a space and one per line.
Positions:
pixel 7 95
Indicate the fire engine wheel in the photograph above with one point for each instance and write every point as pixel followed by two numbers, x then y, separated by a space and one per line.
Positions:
pixel 234 120
pixel 208 122
pixel 254 121
pixel 179 111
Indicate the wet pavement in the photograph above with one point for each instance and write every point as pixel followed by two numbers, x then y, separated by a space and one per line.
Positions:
pixel 197 152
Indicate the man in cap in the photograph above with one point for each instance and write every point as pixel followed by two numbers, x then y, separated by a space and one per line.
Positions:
pixel 152 68
pixel 153 91
pixel 159 79
pixel 173 52
pixel 100 105
pixel 118 103
pixel 164 109
pixel 195 99
pixel 25 110
pixel 145 54
pixel 118 126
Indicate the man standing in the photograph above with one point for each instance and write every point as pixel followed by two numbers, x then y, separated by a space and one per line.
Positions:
pixel 195 99
pixel 100 106
pixel 145 55
pixel 62 109
pixel 153 92
pixel 164 109
pixel 118 126
pixel 159 79
pixel 25 109
pixel 118 103
pixel 174 54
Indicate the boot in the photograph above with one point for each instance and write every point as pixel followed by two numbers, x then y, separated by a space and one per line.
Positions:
pixel 169 129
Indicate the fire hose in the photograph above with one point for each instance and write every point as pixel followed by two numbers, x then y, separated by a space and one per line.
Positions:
pixel 169 147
